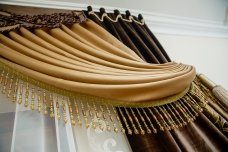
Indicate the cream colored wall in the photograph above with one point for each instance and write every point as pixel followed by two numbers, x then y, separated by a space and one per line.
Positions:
pixel 209 55
pixel 213 10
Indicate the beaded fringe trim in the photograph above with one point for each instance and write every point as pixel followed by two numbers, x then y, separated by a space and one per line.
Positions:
pixel 87 113
pixel 217 118
pixel 10 21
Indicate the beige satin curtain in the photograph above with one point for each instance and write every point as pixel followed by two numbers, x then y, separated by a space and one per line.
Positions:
pixel 85 58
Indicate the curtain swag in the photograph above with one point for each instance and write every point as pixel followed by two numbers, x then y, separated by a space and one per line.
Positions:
pixel 68 62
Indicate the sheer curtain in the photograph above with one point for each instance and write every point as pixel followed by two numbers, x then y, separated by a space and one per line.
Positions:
pixel 22 129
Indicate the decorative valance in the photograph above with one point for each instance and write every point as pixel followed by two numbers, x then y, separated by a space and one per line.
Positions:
pixel 68 64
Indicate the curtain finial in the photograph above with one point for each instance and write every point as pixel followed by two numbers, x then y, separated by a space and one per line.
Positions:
pixel 90 8
pixel 116 12
pixel 102 10
pixel 128 13
pixel 140 17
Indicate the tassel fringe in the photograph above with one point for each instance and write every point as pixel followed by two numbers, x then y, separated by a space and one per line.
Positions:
pixel 212 114
pixel 85 112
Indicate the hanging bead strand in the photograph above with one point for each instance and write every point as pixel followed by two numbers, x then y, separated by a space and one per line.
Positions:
pixel 150 122
pixel 77 113
pixel 39 101
pixel 118 119
pixel 112 120
pixel 20 93
pixel 91 114
pixel 98 117
pixel 162 118
pixel 15 90
pixel 177 112
pixel 137 121
pixel 131 121
pixel 143 120
pixel 190 107
pixel 174 115
pixel 32 99
pixel 51 106
pixel 2 75
pixel 57 107
pixel 71 112
pixel 186 116
pixel 155 118
pixel 5 83
pixel 84 115
pixel 129 131
pixel 171 121
pixel 10 86
pixel 26 94
pixel 64 110
pixel 108 128
pixel 44 103
pixel 187 110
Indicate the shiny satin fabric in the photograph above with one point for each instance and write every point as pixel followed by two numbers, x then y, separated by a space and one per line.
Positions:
pixel 118 31
pixel 87 59
pixel 161 142
pixel 200 135
pixel 157 42
pixel 138 38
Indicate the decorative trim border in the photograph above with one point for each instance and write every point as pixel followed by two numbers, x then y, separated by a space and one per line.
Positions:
pixel 159 23
pixel 11 21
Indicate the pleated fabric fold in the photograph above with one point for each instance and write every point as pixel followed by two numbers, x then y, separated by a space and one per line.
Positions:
pixel 207 133
pixel 85 58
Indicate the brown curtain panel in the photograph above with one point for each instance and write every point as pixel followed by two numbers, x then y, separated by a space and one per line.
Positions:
pixel 138 38
pixel 203 135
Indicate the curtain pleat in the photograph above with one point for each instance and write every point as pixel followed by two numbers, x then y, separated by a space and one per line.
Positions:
pixel 157 42
pixel 200 135
pixel 149 42
pixel 122 35
pixel 163 141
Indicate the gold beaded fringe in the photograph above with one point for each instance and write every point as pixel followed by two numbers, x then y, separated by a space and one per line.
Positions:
pixel 85 112
pixel 217 116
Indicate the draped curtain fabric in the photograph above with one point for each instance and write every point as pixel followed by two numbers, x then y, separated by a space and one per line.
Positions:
pixel 200 135
pixel 84 58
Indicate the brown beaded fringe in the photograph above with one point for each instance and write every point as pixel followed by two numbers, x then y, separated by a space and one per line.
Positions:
pixel 85 112
pixel 10 21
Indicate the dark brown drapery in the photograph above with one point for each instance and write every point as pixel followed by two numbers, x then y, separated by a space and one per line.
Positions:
pixel 203 134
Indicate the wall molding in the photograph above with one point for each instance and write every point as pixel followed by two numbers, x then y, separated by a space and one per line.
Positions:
pixel 158 23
